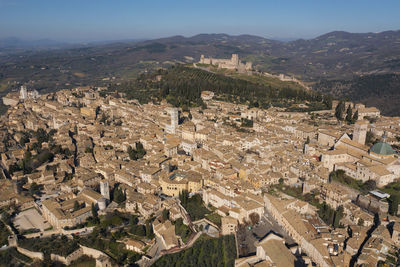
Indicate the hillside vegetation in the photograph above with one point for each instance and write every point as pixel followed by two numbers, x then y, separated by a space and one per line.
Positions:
pixel 182 86
pixel 382 91
pixel 205 252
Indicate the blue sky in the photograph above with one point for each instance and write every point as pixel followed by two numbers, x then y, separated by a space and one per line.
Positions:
pixel 95 20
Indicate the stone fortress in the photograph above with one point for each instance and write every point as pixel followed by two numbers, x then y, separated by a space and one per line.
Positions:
pixel 13 98
pixel 232 64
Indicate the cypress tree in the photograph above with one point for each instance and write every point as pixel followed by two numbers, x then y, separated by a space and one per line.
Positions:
pixel 393 204
pixel 349 115
pixel 94 211
pixel 339 111
pixel 355 116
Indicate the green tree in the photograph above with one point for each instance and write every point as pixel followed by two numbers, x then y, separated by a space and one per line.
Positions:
pixel 136 208
pixel 370 138
pixel 149 231
pixel 247 123
pixel 369 185
pixel 94 211
pixel 138 153
pixel 183 197
pixel 355 116
pixel 328 102
pixel 393 204
pixel 349 114
pixel 133 220
pixel 118 195
pixel 165 214
pixel 28 156
pixel 138 229
pixel 42 136
pixel 103 118
pixel 35 189
pixel 326 213
pixel 76 205
pixel 338 216
pixel 339 111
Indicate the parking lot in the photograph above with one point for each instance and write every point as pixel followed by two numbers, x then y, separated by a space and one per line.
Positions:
pixel 249 236
pixel 30 219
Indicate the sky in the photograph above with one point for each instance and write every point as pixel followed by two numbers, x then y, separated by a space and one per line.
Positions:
pixel 99 20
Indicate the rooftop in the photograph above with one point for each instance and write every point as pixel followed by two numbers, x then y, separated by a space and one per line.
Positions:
pixel 382 148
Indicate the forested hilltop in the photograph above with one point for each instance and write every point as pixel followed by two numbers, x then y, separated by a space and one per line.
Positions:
pixel 382 91
pixel 182 86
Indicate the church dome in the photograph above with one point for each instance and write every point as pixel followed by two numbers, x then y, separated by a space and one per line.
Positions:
pixel 382 148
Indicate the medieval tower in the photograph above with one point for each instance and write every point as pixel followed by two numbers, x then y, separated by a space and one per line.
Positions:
pixel 360 132
pixel 105 189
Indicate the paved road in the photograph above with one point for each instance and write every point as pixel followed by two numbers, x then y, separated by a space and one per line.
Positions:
pixel 276 228
pixel 81 231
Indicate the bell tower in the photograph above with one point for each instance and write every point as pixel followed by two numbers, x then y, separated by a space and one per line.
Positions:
pixel 360 132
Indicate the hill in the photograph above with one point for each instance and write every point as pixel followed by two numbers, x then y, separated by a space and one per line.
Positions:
pixel 343 55
pixel 381 90
pixel 333 56
pixel 182 85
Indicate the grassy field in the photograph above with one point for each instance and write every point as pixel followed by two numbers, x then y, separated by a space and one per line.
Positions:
pixel 268 81
pixel 254 78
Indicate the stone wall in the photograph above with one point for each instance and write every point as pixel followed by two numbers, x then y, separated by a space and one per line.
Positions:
pixel 31 254
pixel 92 252
pixel 68 259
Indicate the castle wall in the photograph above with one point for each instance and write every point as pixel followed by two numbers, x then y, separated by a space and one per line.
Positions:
pixel 232 63
pixel 68 259
pixel 31 254
pixel 94 253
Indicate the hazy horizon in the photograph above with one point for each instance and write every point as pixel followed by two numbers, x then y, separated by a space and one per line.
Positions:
pixel 283 39
pixel 88 21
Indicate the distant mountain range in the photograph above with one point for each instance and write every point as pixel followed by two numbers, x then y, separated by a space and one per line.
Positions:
pixel 333 56
pixel 14 45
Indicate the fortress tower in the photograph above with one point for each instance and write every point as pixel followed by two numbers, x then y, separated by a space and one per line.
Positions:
pixel 174 113
pixel 23 93
pixel 173 125
pixel 360 132
pixel 235 60
pixel 105 189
